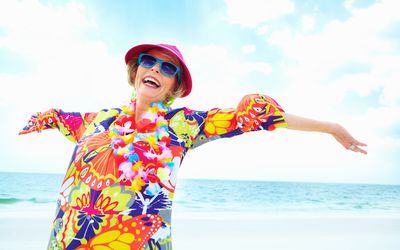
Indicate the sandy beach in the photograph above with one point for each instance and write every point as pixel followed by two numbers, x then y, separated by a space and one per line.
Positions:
pixel 28 228
pixel 291 232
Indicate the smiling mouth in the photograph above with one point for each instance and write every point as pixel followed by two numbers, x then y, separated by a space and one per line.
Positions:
pixel 151 82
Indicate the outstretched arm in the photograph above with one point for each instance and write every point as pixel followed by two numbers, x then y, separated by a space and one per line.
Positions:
pixel 336 130
pixel 255 112
pixel 70 124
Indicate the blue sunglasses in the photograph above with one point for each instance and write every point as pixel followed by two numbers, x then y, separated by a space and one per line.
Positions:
pixel 167 68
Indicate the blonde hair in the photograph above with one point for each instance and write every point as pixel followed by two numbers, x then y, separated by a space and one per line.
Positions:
pixel 180 87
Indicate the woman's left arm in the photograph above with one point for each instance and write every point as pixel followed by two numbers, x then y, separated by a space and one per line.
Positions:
pixel 336 130
pixel 255 112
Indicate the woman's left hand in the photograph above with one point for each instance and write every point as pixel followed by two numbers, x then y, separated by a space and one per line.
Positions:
pixel 335 129
pixel 347 141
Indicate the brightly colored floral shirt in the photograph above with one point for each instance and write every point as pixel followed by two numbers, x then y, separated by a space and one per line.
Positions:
pixel 97 209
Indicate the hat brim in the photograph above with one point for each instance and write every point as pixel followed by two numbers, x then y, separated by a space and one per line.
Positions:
pixel 136 50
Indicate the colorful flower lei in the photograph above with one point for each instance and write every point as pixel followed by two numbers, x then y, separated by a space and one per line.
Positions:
pixel 151 129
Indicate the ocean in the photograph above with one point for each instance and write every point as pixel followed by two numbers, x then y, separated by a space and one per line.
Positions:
pixel 198 195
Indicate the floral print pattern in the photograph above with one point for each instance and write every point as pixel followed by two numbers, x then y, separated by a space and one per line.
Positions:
pixel 97 207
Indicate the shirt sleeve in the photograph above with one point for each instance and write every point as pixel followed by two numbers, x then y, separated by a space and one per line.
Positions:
pixel 254 112
pixel 71 124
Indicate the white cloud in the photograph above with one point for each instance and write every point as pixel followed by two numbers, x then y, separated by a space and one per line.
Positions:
pixel 282 38
pixel 41 26
pixel 348 4
pixel 311 63
pixel 248 48
pixel 308 23
pixel 252 13
pixel 312 60
pixel 263 29
pixel 65 70
pixel 65 66
pixel 218 76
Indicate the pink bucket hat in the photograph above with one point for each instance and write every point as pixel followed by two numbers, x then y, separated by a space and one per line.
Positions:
pixel 136 50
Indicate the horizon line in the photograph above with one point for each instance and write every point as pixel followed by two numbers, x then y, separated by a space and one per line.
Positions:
pixel 229 179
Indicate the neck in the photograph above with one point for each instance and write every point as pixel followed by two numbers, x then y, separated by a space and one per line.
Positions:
pixel 141 107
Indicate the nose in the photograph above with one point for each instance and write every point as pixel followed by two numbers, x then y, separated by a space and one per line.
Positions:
pixel 156 67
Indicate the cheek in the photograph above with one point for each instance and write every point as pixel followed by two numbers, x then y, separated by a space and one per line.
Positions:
pixel 171 84
pixel 137 77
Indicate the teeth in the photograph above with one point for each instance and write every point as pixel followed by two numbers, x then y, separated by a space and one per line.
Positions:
pixel 151 80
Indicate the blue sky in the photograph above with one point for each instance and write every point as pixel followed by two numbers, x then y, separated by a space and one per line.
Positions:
pixel 328 60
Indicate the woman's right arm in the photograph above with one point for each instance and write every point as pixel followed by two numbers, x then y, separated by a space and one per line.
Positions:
pixel 71 124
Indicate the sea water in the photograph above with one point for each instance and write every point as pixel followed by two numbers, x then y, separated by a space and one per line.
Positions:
pixel 198 195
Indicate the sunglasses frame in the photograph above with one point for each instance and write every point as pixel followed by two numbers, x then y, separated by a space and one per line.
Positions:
pixel 161 62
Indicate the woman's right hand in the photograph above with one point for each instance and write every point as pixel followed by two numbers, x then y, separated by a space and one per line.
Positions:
pixel 39 122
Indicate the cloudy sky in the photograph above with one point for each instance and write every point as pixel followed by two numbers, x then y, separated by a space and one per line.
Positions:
pixel 328 60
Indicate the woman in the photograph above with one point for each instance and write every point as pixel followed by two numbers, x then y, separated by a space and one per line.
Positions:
pixel 117 192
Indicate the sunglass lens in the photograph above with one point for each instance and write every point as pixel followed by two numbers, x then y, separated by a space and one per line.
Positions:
pixel 169 68
pixel 147 61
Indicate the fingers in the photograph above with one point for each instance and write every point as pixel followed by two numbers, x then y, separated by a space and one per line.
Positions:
pixel 358 143
pixel 358 150
pixel 32 126
pixel 348 142
pixel 356 147
pixel 22 132
pixel 28 130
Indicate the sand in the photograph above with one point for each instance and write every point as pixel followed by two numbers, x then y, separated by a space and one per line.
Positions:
pixel 25 227
pixel 290 232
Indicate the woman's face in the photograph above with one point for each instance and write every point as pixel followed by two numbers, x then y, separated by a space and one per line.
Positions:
pixel 150 83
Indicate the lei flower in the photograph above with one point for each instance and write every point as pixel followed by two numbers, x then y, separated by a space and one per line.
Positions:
pixel 150 133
